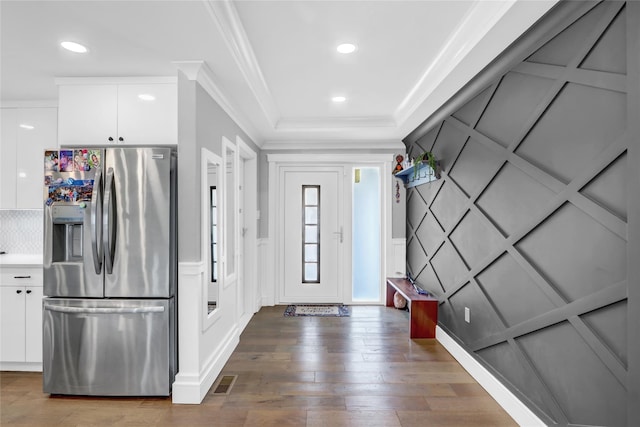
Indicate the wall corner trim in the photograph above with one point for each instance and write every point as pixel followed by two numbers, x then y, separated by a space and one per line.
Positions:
pixel 199 71
pixel 505 398
pixel 192 389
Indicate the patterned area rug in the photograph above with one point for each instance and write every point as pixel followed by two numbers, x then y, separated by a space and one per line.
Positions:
pixel 321 310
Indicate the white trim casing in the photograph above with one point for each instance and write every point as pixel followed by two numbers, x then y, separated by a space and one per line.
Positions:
pixel 186 387
pixel 198 70
pixel 273 247
pixel 396 262
pixel 509 402
pixel 21 366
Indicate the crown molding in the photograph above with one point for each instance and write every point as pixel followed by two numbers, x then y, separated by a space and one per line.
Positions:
pixel 334 145
pixel 226 18
pixel 335 123
pixel 477 22
pixel 198 70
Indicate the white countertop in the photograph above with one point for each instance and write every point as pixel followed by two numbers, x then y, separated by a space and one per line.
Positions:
pixel 20 260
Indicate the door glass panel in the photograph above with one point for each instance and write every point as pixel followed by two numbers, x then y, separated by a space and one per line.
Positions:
pixel 311 253
pixel 310 273
pixel 366 240
pixel 311 215
pixel 311 234
pixel 311 195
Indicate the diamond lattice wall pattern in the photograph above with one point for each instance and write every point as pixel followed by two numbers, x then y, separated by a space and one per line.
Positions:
pixel 528 228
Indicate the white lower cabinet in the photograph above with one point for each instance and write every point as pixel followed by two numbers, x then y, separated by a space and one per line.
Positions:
pixel 21 319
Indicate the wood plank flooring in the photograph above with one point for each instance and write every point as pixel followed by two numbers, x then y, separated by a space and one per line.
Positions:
pixel 294 371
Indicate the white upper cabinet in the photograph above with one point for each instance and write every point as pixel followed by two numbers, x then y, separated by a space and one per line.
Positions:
pixel 87 114
pixel 26 134
pixel 99 112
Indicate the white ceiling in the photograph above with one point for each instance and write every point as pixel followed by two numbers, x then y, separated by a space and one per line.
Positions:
pixel 273 62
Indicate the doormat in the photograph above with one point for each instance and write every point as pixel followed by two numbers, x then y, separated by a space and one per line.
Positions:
pixel 318 310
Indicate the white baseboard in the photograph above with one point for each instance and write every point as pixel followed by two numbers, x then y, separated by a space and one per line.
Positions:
pixel 191 389
pixel 21 366
pixel 509 402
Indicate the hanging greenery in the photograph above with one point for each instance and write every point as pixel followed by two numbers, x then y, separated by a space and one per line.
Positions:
pixel 426 157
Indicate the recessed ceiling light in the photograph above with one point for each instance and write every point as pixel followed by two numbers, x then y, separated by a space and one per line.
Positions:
pixel 346 48
pixel 146 97
pixel 338 99
pixel 26 126
pixel 74 47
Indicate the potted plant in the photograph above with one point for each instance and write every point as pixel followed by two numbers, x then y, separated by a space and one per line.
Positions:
pixel 428 158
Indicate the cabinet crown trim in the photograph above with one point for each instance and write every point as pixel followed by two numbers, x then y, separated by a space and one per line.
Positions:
pixel 115 80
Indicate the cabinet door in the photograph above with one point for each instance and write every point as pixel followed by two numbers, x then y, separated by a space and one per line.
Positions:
pixel 149 122
pixel 87 114
pixel 8 128
pixel 39 133
pixel 12 336
pixel 33 324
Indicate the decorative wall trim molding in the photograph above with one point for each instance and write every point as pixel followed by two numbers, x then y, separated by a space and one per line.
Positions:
pixel 226 18
pixel 335 145
pixel 266 297
pixel 190 388
pixel 329 158
pixel 478 21
pixel 397 260
pixel 509 402
pixel 336 123
pixel 198 70
pixel 563 14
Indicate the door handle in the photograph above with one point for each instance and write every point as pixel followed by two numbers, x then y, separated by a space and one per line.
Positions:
pixel 96 221
pixel 340 233
pixel 103 310
pixel 109 222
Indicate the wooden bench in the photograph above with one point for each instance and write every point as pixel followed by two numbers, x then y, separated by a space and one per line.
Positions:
pixel 423 309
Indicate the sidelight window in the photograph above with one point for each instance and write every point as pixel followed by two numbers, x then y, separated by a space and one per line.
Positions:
pixel 310 234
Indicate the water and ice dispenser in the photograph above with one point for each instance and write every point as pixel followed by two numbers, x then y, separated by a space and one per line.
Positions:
pixel 68 251
pixel 68 232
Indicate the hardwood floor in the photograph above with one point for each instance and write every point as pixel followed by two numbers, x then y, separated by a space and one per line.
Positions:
pixel 294 371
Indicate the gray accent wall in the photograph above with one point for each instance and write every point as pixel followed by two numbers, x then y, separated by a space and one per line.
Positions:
pixel 201 123
pixel 534 226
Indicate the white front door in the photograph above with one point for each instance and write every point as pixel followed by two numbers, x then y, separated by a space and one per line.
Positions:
pixel 312 225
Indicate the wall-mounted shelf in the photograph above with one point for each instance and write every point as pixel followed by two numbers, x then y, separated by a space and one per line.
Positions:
pixel 424 175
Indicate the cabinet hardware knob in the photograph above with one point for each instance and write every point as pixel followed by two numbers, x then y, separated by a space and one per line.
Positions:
pixel 110 139
pixel 22 277
pixel 28 291
pixel 121 139
pixel 19 291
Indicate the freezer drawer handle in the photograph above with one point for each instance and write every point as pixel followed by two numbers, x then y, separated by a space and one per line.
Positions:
pixel 104 310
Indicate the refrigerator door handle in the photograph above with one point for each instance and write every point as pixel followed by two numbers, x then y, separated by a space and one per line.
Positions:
pixel 104 310
pixel 96 222
pixel 109 223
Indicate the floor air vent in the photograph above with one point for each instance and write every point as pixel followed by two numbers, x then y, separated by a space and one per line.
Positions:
pixel 225 384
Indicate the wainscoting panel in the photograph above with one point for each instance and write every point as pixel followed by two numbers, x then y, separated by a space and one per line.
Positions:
pixel 527 230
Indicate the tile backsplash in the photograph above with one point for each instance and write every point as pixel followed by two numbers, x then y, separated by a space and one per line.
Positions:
pixel 21 231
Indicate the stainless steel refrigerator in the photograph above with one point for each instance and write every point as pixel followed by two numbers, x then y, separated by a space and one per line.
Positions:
pixel 110 271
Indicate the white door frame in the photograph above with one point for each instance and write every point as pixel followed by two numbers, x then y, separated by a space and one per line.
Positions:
pixel 249 296
pixel 274 256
